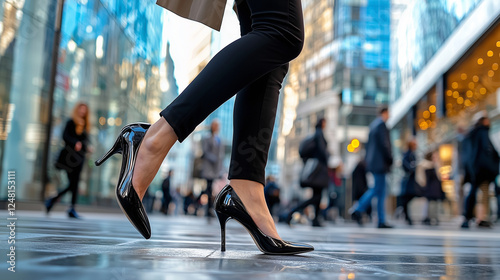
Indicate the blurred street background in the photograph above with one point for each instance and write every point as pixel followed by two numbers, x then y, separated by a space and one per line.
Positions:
pixel 433 63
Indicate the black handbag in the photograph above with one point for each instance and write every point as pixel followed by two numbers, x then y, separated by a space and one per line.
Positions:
pixel 314 174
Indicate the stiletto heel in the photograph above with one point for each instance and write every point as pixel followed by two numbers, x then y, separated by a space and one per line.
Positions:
pixel 127 144
pixel 223 218
pixel 115 149
pixel 229 206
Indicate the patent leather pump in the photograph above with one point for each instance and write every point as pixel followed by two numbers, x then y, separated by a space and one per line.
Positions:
pixel 127 144
pixel 229 206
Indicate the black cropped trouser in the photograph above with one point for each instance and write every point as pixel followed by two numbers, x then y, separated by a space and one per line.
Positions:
pixel 253 67
pixel 74 179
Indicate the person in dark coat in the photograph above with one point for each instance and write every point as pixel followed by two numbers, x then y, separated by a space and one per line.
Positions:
pixel 427 177
pixel 483 167
pixel 320 153
pixel 409 187
pixel 378 162
pixel 72 157
pixel 272 193
pixel 167 196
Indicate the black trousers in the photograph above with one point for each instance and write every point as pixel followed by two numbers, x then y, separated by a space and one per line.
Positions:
pixel 210 201
pixel 253 67
pixel 405 200
pixel 484 177
pixel 315 201
pixel 73 178
pixel 470 201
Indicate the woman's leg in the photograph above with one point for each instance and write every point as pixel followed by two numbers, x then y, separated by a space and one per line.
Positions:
pixel 276 37
pixel 470 202
pixel 74 178
pixel 254 116
pixel 301 207
pixel 317 194
pixel 61 193
pixel 68 188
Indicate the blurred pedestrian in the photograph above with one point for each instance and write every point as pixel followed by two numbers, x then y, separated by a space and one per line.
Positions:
pixel 378 162
pixel 320 153
pixel 409 187
pixel 426 175
pixel 272 194
pixel 213 153
pixel 483 167
pixel 360 185
pixel 72 157
pixel 167 196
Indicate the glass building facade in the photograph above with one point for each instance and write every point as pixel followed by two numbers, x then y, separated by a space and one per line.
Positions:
pixel 362 40
pixel 112 56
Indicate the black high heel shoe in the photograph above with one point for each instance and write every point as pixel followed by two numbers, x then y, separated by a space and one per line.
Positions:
pixel 127 144
pixel 229 206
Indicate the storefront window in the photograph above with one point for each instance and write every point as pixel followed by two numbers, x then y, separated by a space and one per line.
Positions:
pixel 426 116
pixel 473 84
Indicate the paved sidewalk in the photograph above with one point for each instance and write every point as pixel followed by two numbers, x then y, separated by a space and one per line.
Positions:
pixel 106 246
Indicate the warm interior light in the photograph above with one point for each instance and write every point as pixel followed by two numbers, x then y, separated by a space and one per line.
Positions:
pixel 482 91
pixel 449 92
pixel 424 126
pixel 467 103
pixel 475 78
pixel 456 94
pixel 460 100
pixel 491 73
pixel 480 61
pixel 494 66
pixel 432 109
pixel 489 53
pixel 463 76
pixel 472 85
pixel 470 93
pixel 454 85
pixel 118 121
pixel 355 143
